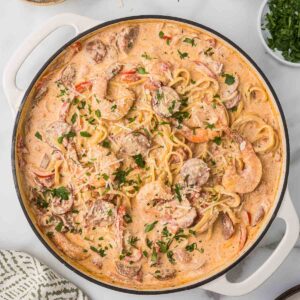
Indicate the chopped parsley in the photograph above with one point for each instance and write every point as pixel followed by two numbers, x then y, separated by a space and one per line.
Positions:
pixel 81 104
pixel 229 79
pixel 170 256
pixel 131 119
pixel 85 134
pixel 161 34
pixel 41 202
pixel 217 140
pixel 106 143
pixel 180 116
pixel 98 113
pixel 182 55
pixel 192 247
pixel 61 192
pixel 101 251
pixel 209 125
pixel 132 240
pixel 159 95
pixel 149 243
pixel 139 160
pixel 74 118
pixel 171 107
pixel 120 175
pixel 154 257
pixel 190 41
pixel 59 226
pixel 149 227
pixel 283 24
pixel 105 176
pixel 142 71
pixel 113 108
pixel 38 136
pixel 177 192
pixel 209 51
pixel 68 135
pixel 146 56
pixel 127 218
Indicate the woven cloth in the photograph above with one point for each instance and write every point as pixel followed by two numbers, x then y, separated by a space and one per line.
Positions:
pixel 23 277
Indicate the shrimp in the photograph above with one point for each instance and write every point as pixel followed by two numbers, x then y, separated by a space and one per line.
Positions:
pixel 246 180
pixel 115 106
pixel 70 249
pixel 157 199
pixel 229 92
pixel 206 121
pixel 151 194
pixel 160 71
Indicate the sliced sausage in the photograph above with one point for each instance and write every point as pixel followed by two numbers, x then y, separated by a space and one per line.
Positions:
pixel 127 37
pixel 101 213
pixel 68 75
pixel 55 130
pixel 227 227
pixel 164 274
pixel 257 216
pixel 127 269
pixel 96 50
pixel 195 172
pixel 165 102
pixel 135 143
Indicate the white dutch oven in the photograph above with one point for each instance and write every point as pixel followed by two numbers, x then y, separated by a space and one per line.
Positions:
pixel 282 208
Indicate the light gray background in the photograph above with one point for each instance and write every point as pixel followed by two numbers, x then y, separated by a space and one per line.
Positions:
pixel 234 18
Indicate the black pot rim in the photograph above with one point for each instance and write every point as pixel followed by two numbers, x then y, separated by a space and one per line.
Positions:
pixel 259 238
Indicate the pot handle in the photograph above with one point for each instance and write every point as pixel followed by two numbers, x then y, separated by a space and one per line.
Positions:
pixel 288 214
pixel 13 93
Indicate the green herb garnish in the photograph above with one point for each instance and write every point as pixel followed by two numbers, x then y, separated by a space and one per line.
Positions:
pixel 38 136
pixel 177 192
pixel 283 24
pixel 98 113
pixel 146 56
pixel 139 160
pixel 229 79
pixel 74 118
pixel 142 70
pixel 85 134
pixel 182 55
pixel 190 41
pixel 61 192
pixel 217 140
pixel 59 226
pixel 149 227
pixel 106 143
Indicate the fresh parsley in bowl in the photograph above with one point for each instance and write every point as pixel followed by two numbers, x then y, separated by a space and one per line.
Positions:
pixel 279 28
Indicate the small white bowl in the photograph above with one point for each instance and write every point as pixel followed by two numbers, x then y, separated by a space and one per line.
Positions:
pixel 264 34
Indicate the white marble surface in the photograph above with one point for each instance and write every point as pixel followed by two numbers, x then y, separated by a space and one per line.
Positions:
pixel 234 18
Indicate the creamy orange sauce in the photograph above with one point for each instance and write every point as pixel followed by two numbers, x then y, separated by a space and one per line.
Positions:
pixel 151 154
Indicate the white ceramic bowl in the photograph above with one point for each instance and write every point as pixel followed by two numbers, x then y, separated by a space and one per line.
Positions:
pixel 264 34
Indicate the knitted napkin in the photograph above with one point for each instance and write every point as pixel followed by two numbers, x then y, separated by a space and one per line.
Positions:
pixel 23 277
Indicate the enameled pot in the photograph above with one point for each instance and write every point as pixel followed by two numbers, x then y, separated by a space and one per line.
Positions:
pixel 282 207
